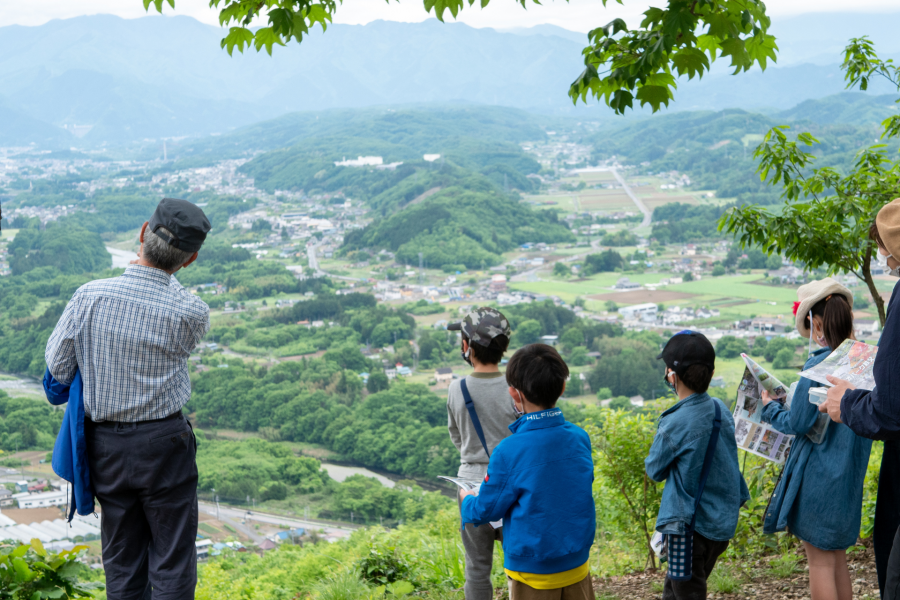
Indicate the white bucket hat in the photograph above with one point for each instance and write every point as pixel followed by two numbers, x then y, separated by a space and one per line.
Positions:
pixel 810 294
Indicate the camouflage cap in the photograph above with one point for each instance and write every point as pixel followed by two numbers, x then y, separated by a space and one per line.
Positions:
pixel 482 325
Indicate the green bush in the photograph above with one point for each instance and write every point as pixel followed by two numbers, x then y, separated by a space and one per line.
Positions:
pixel 783 358
pixel 759 346
pixel 629 499
pixel 383 565
pixel 620 403
pixel 777 344
pixel 30 572
pixel 718 271
pixel 731 347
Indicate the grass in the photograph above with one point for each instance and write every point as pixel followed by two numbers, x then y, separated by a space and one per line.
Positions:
pixel 724 581
pixel 784 566
pixel 737 286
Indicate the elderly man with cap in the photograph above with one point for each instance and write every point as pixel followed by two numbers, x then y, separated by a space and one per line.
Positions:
pixel 479 412
pixel 130 338
pixel 875 414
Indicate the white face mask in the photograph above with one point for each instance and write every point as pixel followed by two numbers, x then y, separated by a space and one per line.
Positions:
pixel 519 413
pixel 882 261
pixel 820 339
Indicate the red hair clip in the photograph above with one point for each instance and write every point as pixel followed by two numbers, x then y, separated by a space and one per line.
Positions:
pixel 796 306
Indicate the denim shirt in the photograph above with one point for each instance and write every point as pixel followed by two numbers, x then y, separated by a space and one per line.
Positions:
pixel 819 494
pixel 676 457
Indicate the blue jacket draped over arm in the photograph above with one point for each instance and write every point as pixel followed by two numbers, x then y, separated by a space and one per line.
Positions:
pixel 70 450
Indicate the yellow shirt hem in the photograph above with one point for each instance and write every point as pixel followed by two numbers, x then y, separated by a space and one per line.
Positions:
pixel 551 581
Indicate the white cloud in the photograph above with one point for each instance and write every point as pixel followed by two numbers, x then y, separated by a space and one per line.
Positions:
pixel 577 15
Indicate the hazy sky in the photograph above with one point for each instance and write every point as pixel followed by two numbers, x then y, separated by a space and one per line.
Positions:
pixel 577 15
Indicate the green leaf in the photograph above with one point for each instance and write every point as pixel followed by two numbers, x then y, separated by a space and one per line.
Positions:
pixel 238 37
pixel 654 95
pixel 690 62
pixel 22 569
pixel 266 37
pixel 38 547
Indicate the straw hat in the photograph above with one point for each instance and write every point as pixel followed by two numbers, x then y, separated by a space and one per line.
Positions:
pixel 811 293
pixel 888 223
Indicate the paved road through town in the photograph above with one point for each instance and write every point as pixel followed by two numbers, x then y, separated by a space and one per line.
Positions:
pixel 232 513
pixel 640 203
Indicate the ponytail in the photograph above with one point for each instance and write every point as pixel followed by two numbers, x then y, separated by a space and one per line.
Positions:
pixel 837 319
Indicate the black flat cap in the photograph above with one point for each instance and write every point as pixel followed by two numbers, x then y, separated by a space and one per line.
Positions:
pixel 184 220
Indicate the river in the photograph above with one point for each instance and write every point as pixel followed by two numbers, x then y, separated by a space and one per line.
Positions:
pixel 120 258
pixel 341 472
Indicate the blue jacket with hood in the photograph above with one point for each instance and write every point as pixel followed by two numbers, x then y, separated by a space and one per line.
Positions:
pixel 70 460
pixel 539 482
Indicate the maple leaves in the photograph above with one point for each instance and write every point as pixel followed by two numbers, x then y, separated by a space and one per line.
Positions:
pixel 643 63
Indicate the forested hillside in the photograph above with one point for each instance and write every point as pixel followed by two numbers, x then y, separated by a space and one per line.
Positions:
pixel 460 226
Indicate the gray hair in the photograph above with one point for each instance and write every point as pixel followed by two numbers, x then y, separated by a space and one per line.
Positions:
pixel 160 253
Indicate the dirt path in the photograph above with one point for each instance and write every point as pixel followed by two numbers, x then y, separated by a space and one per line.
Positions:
pixel 751 581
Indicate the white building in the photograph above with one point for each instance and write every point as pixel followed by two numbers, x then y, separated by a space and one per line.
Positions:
pixel 40 500
pixel 644 312
pixel 362 161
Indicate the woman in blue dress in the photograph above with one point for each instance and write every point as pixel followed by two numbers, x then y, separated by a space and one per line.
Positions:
pixel 819 495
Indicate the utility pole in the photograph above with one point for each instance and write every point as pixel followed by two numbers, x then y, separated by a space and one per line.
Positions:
pixel 421 267
pixel 217 507
pixel 351 516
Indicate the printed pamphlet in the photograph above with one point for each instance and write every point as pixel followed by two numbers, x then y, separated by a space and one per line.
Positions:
pixel 470 485
pixel 751 434
pixel 852 361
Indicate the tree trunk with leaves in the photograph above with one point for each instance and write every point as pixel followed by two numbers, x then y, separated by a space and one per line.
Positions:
pixel 826 217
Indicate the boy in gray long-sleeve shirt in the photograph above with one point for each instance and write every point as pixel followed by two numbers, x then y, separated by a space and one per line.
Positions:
pixel 485 337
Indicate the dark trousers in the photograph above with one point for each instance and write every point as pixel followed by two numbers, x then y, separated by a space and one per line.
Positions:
pixel 887 515
pixel 890 589
pixel 145 478
pixel 706 552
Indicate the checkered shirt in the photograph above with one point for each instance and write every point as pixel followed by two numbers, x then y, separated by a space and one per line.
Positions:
pixel 130 336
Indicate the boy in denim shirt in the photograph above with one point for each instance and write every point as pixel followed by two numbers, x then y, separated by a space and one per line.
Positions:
pixel 539 482
pixel 676 457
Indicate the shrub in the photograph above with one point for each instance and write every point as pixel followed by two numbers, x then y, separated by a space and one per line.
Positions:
pixel 377 382
pixel 627 499
pixel 731 347
pixel 628 367
pixel 383 565
pixel 783 358
pixel 759 346
pixel 29 571
pixel 718 271
pixel 775 345
pixel 604 393
pixel 620 403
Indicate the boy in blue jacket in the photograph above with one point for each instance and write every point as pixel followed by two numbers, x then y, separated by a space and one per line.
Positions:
pixel 539 482
pixel 676 457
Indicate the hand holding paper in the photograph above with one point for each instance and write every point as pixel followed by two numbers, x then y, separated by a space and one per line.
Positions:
pixel 832 404
pixel 463 493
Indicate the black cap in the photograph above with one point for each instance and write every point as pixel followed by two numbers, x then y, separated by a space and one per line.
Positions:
pixel 687 348
pixel 184 219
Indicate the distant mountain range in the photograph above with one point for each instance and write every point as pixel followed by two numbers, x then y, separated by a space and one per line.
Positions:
pixel 98 80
